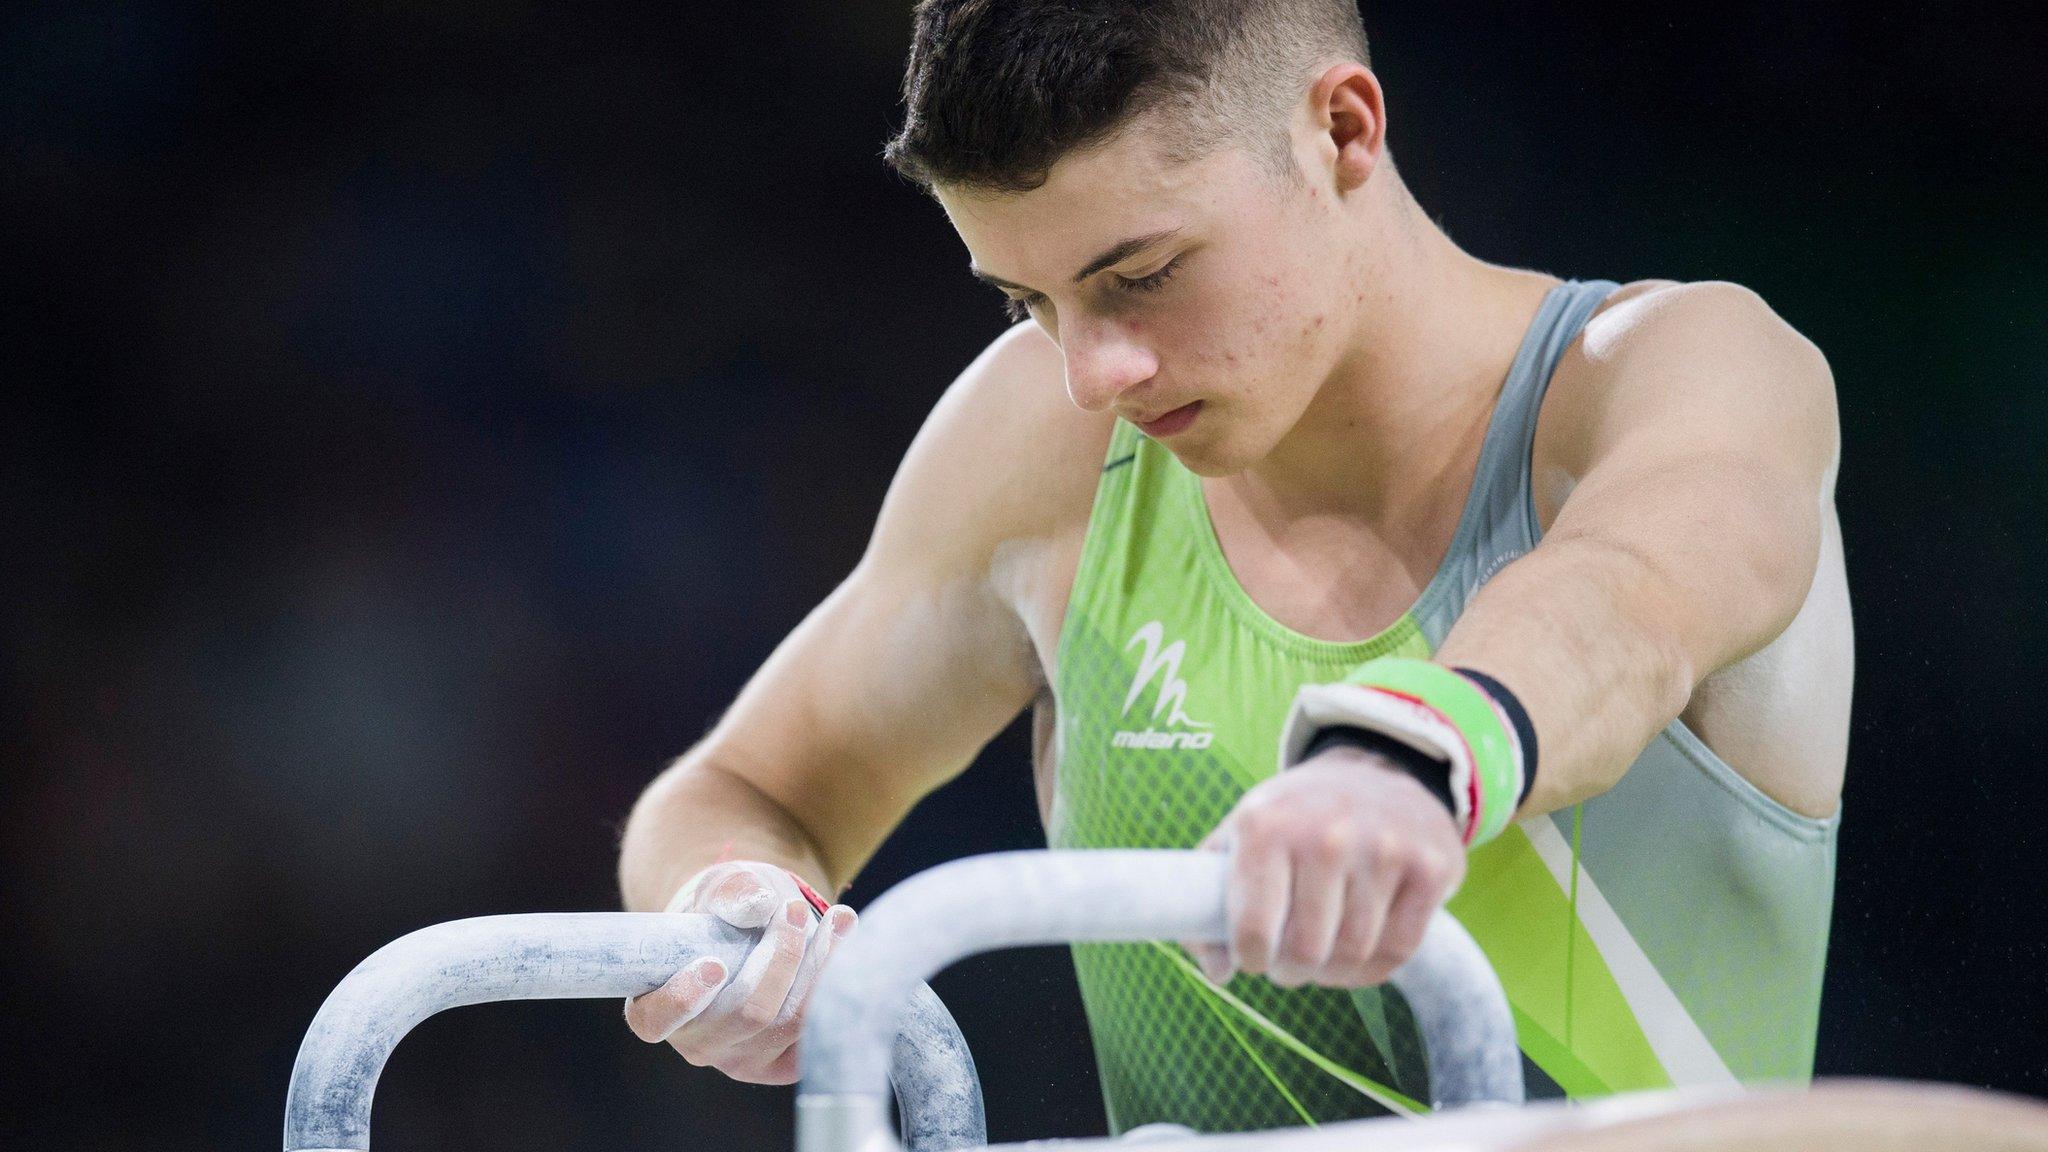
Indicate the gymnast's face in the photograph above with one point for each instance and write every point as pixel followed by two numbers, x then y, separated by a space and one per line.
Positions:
pixel 1204 300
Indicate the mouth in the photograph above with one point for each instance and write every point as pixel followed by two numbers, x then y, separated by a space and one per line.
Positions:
pixel 1170 423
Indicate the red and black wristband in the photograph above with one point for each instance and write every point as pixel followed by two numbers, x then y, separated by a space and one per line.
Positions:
pixel 1518 718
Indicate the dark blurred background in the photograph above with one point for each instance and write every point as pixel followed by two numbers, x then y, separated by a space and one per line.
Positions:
pixel 423 416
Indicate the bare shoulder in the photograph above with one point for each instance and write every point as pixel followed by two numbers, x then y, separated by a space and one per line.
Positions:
pixel 1003 470
pixel 1710 361
pixel 1665 318
pixel 1708 374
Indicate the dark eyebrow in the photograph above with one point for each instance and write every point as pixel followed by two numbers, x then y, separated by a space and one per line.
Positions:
pixel 1116 254
pixel 1123 250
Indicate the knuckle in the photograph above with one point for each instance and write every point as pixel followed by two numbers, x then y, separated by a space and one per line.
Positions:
pixel 1360 930
pixel 1349 950
pixel 1301 950
pixel 1354 947
pixel 769 1065
pixel 757 1014
pixel 789 947
pixel 1349 972
pixel 1395 948
pixel 1349 976
pixel 1254 824
pixel 1250 948
pixel 1410 931
pixel 1439 874
pixel 1334 844
pixel 1385 850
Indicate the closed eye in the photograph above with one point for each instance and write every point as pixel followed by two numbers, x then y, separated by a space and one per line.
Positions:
pixel 1150 283
pixel 1019 307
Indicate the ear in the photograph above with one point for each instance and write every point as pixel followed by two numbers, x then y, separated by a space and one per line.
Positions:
pixel 1349 113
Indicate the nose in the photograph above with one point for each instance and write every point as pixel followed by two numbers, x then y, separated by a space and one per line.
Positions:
pixel 1103 362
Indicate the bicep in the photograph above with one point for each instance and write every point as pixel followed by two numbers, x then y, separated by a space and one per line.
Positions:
pixel 1707 467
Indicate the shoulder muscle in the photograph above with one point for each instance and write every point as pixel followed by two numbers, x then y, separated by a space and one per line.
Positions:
pixel 1005 459
pixel 1706 368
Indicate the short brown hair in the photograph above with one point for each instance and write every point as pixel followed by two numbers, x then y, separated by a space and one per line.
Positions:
pixel 996 91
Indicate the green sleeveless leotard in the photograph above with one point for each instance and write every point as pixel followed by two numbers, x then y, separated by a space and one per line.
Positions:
pixel 1670 931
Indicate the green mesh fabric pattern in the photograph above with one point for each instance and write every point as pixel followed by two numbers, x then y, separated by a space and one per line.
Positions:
pixel 1162 1052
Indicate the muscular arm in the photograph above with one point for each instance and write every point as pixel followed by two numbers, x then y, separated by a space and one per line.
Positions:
pixel 890 687
pixel 1705 445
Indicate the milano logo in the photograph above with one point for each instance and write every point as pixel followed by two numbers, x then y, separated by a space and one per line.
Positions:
pixel 1161 661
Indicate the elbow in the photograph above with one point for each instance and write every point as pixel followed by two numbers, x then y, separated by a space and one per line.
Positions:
pixel 1674 672
pixel 640 837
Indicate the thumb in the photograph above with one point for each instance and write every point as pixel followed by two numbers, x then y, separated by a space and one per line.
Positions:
pixel 1214 959
pixel 741 897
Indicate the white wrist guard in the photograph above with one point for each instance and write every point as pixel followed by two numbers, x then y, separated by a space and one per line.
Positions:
pixel 1440 713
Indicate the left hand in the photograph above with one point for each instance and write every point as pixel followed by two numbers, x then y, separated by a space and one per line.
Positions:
pixel 1337 865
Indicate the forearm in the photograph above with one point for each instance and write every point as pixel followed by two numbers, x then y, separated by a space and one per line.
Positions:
pixel 1703 448
pixel 1595 646
pixel 696 814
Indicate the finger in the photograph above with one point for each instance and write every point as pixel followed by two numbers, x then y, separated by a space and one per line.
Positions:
pixel 1366 899
pixel 1315 907
pixel 1255 903
pixel 1407 921
pixel 772 1053
pixel 839 920
pixel 723 1032
pixel 783 945
pixel 781 1070
pixel 1212 959
pixel 653 1015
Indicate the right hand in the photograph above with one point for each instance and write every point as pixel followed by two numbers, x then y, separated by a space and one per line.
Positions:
pixel 745 1026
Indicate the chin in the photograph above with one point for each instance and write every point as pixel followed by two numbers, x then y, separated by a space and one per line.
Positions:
pixel 1208 458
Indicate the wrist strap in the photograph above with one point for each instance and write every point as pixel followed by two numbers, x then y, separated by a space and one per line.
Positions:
pixel 819 904
pixel 1518 716
pixel 1428 771
pixel 1433 710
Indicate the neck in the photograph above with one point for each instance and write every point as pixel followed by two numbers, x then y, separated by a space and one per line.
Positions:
pixel 1392 431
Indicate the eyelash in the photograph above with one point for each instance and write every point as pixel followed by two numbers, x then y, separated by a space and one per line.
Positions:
pixel 1153 282
pixel 1019 310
